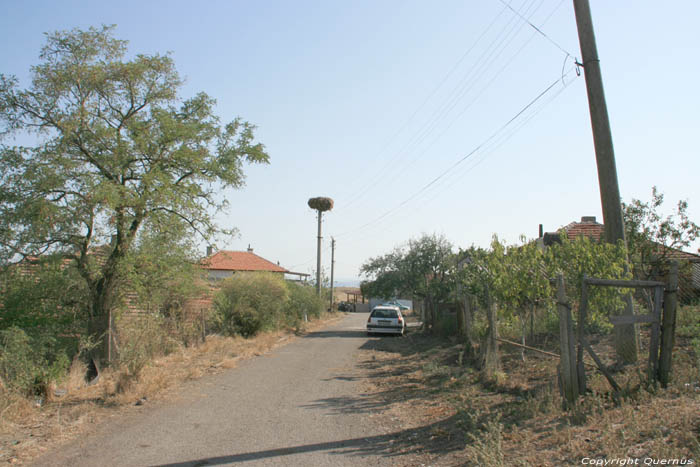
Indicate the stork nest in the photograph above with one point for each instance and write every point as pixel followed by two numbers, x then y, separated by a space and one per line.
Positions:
pixel 321 204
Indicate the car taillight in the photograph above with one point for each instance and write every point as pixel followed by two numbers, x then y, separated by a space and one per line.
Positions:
pixel 369 319
pixel 400 319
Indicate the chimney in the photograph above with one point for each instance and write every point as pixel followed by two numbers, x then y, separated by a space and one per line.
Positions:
pixel 210 250
pixel 588 220
pixel 250 250
pixel 541 231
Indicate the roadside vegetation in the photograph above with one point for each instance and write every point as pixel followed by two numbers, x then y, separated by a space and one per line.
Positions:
pixel 103 303
pixel 483 396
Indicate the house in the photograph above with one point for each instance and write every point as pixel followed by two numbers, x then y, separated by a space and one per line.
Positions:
pixel 689 280
pixel 223 264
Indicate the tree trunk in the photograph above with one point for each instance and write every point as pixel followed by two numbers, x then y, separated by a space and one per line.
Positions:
pixel 100 323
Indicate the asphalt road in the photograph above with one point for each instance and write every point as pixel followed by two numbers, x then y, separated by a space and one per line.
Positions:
pixel 300 405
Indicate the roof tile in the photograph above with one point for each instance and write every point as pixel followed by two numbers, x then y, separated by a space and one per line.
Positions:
pixel 240 261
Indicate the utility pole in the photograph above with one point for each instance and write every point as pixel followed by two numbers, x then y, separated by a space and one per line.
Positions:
pixel 602 136
pixel 605 159
pixel 321 205
pixel 332 268
pixel 319 238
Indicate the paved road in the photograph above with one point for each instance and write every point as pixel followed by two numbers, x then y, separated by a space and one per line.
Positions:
pixel 299 405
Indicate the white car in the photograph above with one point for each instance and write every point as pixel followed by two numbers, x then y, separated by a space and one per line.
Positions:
pixel 386 319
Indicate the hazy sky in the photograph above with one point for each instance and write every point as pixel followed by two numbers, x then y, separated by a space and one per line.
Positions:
pixel 415 116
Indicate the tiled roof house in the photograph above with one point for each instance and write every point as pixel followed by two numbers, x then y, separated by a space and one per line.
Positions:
pixel 589 227
pixel 224 264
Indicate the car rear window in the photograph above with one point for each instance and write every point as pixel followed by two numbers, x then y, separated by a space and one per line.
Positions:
pixel 384 314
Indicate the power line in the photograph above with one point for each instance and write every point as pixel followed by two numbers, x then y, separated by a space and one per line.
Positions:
pixel 453 97
pixel 536 28
pixel 458 162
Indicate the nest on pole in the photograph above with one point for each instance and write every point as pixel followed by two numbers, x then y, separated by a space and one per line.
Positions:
pixel 321 204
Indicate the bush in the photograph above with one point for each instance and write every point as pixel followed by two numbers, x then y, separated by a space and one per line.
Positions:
pixel 29 364
pixel 302 299
pixel 250 303
pixel 142 338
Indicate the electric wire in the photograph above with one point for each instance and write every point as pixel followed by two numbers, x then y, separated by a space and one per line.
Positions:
pixel 536 28
pixel 453 97
pixel 456 163
pixel 491 54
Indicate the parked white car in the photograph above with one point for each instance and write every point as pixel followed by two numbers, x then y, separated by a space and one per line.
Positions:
pixel 386 319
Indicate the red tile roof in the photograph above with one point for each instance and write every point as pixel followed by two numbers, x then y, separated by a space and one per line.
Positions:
pixel 590 229
pixel 240 261
pixel 594 230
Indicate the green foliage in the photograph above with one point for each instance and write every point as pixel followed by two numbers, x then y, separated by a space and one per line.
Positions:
pixel 28 364
pixel 115 148
pixel 519 278
pixel 250 303
pixel 302 299
pixel 162 271
pixel 651 237
pixel 46 295
pixel 424 269
pixel 582 256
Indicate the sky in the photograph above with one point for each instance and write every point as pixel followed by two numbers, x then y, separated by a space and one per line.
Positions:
pixel 452 117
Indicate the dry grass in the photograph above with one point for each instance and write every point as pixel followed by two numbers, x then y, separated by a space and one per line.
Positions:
pixel 28 429
pixel 459 419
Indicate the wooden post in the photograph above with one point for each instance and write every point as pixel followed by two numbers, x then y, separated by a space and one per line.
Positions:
pixel 582 317
pixel 568 360
pixel 668 331
pixel 204 325
pixel 490 362
pixel 468 325
pixel 654 339
pixel 626 337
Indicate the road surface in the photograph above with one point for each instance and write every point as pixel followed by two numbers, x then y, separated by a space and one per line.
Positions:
pixel 300 405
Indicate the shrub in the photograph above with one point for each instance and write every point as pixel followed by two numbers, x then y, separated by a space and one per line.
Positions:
pixel 28 364
pixel 250 303
pixel 141 338
pixel 302 299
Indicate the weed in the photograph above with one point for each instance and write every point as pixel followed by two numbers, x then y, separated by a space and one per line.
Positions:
pixel 485 448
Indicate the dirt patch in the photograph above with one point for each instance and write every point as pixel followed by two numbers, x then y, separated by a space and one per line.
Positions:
pixel 30 427
pixel 442 413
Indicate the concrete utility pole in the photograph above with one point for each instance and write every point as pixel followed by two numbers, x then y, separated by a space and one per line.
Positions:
pixel 332 268
pixel 319 240
pixel 319 204
pixel 605 159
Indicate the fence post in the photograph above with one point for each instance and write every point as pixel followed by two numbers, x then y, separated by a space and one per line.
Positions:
pixel 468 325
pixel 490 355
pixel 582 312
pixel 566 338
pixel 203 325
pixel 668 330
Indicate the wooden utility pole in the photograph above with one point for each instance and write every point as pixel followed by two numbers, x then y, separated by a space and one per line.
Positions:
pixel 602 136
pixel 332 268
pixel 626 336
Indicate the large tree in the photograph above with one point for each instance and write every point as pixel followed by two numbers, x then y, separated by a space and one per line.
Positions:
pixel 423 269
pixel 115 149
